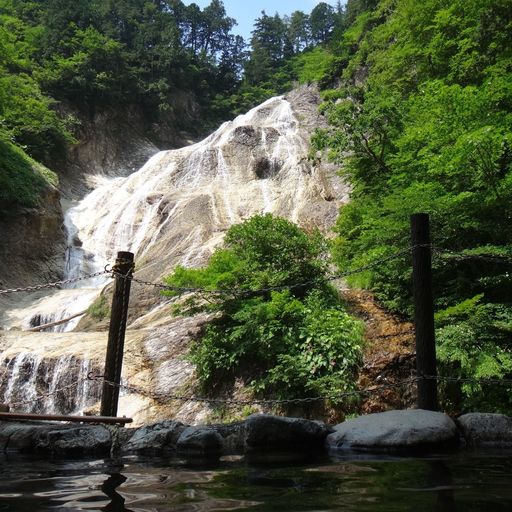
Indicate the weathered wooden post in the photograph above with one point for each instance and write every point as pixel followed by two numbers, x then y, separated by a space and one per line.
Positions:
pixel 424 311
pixel 114 359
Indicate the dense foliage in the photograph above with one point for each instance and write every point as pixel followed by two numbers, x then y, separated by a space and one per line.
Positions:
pixel 278 320
pixel 21 179
pixel 62 61
pixel 422 122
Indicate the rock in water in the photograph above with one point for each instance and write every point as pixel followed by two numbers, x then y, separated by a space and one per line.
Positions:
pixel 486 429
pixel 395 430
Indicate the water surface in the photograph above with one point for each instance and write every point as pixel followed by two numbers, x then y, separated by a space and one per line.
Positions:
pixel 463 482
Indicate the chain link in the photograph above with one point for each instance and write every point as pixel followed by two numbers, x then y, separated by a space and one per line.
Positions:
pixel 237 291
pixel 440 251
pixel 56 284
pixel 241 292
pixel 462 380
pixel 47 395
pixel 269 401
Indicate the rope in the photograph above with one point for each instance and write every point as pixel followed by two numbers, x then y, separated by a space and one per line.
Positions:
pixel 57 322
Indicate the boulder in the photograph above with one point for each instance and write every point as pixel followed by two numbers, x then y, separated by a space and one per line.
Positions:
pixel 486 429
pixel 267 432
pixel 200 441
pixel 56 439
pixel 395 431
pixel 154 438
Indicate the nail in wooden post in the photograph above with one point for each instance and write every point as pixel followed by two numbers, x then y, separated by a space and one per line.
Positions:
pixel 424 311
pixel 115 347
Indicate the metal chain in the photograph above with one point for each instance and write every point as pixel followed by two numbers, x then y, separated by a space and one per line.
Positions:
pixel 238 291
pixel 269 401
pixel 463 380
pixel 466 256
pixel 47 395
pixel 56 284
pixel 357 392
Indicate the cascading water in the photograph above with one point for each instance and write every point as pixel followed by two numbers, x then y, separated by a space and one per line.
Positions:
pixel 34 383
pixel 177 207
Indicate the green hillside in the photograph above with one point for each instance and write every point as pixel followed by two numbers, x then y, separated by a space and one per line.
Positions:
pixel 422 121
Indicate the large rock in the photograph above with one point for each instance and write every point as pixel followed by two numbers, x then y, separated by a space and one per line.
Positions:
pixel 486 429
pixel 55 439
pixel 155 438
pixel 266 432
pixel 395 430
pixel 200 441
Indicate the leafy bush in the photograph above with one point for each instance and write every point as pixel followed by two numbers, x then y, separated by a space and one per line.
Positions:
pixel 99 309
pixel 475 342
pixel 283 339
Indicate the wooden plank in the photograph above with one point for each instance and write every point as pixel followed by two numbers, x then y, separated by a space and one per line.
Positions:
pixel 57 322
pixel 63 417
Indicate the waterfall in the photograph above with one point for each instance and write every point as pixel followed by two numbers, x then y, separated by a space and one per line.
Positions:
pixel 34 384
pixel 174 210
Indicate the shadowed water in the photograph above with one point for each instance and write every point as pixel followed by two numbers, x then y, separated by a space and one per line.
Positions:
pixel 467 482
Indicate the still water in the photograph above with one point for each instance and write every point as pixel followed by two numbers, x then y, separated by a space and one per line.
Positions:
pixel 463 482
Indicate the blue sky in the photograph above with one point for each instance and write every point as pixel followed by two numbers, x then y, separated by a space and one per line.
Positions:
pixel 246 11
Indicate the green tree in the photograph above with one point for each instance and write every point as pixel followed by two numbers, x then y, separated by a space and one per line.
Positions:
pixel 279 324
pixel 299 31
pixel 321 22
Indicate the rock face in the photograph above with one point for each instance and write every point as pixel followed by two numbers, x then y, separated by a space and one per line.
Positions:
pixel 395 430
pixel 200 441
pixel 261 433
pixel 32 248
pixel 156 438
pixel 486 430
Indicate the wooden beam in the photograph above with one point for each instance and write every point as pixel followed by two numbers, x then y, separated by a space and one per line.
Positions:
pixel 63 417
pixel 57 322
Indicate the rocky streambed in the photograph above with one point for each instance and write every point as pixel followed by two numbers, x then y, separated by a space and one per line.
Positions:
pixel 399 432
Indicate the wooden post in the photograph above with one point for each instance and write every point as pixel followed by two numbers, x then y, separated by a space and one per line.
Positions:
pixel 423 311
pixel 115 347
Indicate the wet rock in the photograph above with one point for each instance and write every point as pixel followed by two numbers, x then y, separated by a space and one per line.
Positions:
pixel 55 439
pixel 486 429
pixel 154 438
pixel 233 436
pixel 395 430
pixel 200 441
pixel 267 432
pixel 76 441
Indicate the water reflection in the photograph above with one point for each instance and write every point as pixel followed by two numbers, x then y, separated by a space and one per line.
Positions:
pixel 109 488
pixel 440 478
pixel 467 482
